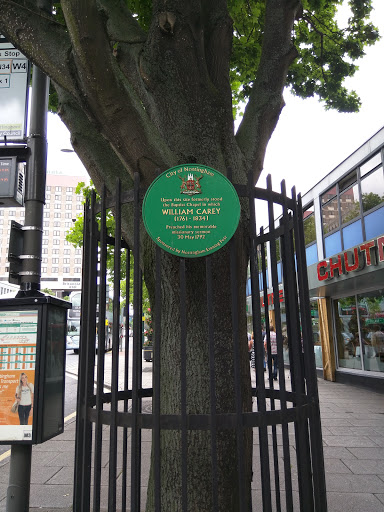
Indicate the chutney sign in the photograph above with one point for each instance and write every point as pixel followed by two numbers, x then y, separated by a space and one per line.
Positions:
pixel 191 210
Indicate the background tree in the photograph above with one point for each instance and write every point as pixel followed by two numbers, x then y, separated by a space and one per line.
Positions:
pixel 148 85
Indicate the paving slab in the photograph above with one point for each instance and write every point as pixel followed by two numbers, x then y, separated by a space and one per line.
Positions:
pixel 353 502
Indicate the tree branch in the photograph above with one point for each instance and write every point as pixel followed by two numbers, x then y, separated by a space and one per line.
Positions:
pixel 108 96
pixel 218 44
pixel 266 100
pixel 44 41
pixel 102 164
pixel 121 26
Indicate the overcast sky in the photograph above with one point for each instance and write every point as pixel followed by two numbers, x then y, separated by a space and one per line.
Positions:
pixel 308 142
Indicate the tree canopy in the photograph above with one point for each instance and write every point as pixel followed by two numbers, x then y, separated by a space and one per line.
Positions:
pixel 114 63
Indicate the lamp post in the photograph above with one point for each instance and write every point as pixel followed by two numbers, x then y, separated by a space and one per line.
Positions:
pixel 21 455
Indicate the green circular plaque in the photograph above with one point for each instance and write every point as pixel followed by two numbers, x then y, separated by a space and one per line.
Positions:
pixel 191 210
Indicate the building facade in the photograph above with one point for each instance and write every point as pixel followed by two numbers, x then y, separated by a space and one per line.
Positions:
pixel 343 217
pixel 61 262
pixel 344 235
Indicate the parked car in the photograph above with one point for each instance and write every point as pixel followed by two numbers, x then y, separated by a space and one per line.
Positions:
pixel 73 343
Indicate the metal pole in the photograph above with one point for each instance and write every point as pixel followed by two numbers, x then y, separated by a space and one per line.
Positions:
pixel 21 455
pixel 35 186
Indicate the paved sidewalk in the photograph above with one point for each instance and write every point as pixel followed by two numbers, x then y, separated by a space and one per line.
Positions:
pixel 353 435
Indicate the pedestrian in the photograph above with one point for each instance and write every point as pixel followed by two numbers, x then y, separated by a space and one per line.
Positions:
pixel 263 334
pixel 273 340
pixel 253 355
pixel 24 397
pixel 250 345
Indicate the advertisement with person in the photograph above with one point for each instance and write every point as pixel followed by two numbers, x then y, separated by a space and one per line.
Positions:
pixel 18 335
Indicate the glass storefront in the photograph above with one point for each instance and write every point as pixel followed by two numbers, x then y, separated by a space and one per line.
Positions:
pixel 359 328
pixel 316 334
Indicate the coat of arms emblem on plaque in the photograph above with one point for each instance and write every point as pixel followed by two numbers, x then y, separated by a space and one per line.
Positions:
pixel 190 185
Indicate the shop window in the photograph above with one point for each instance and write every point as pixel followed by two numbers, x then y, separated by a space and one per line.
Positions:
pixel 347 333
pixel 309 225
pixel 350 204
pixel 374 223
pixel 328 195
pixel 279 273
pixel 353 235
pixel 371 313
pixel 372 190
pixel 316 334
pixel 332 244
pixel 261 281
pixel 371 164
pixel 330 215
pixel 347 181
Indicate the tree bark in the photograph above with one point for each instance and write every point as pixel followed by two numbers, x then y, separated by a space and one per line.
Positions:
pixel 197 364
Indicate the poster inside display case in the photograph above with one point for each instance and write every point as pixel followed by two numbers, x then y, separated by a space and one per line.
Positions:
pixel 18 337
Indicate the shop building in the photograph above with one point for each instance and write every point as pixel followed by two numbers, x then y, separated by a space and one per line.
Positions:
pixel 344 235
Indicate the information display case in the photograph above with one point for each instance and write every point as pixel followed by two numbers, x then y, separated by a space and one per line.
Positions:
pixel 32 368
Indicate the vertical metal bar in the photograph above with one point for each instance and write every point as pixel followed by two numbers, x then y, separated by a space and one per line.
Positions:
pixel 80 419
pixel 87 355
pixel 136 358
pixel 156 383
pixel 237 373
pixel 79 454
pixel 212 383
pixel 115 353
pixel 293 325
pixel 280 358
pixel 275 456
pixel 183 385
pixel 100 357
pixel 310 372
pixel 126 379
pixel 259 350
pixel 238 394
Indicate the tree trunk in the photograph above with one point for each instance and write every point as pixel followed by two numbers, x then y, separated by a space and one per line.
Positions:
pixel 198 401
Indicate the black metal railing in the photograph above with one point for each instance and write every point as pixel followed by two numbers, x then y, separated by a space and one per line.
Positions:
pixel 119 418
